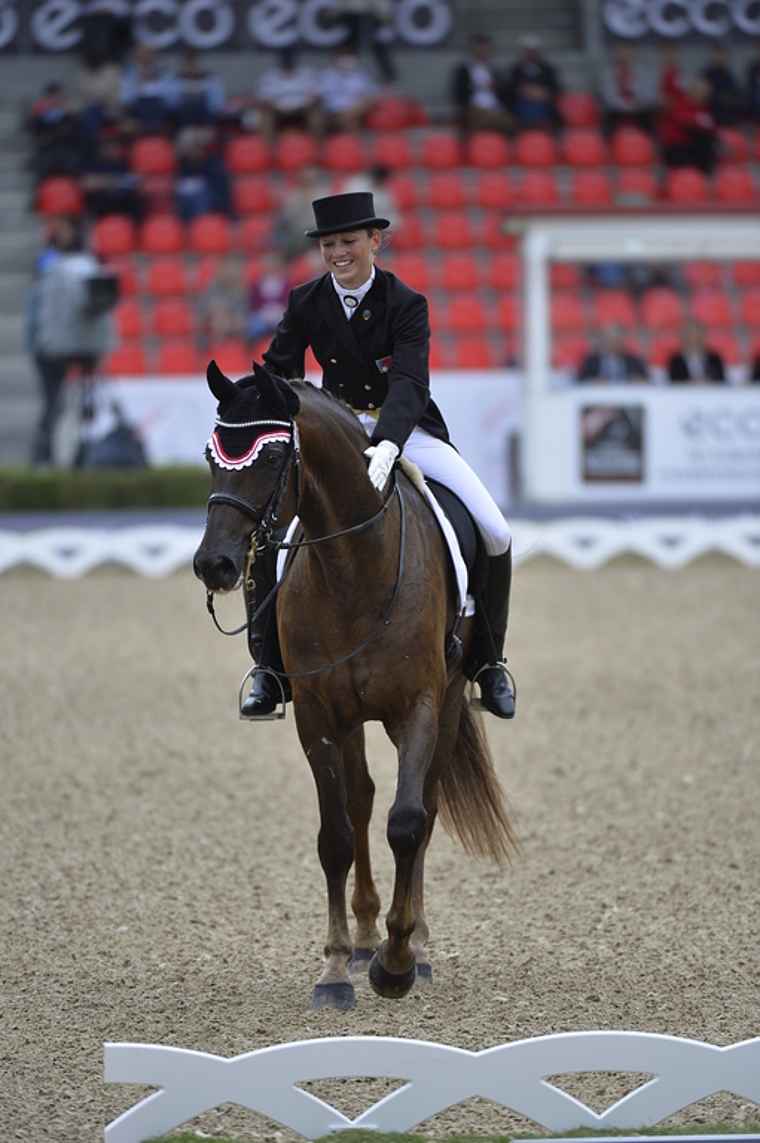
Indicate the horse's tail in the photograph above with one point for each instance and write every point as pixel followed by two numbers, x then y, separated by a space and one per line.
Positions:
pixel 471 803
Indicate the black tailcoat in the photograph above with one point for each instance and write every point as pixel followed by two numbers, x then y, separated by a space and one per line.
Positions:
pixel 376 361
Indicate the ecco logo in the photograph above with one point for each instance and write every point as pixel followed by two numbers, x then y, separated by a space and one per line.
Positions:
pixel 724 424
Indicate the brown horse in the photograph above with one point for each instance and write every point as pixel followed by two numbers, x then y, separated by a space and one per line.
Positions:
pixel 363 611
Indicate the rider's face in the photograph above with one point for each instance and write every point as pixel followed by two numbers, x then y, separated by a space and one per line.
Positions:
pixel 350 256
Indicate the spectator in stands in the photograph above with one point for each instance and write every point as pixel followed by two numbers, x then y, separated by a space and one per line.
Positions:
pixel 695 362
pixel 200 93
pixel 53 126
pixel 348 93
pixel 673 81
pixel 202 184
pixel 109 186
pixel 295 216
pixel 533 87
pixel 365 18
pixel 753 86
pixel 686 130
pixel 224 306
pixel 377 180
pixel 96 95
pixel 148 92
pixel 268 298
pixel 626 90
pixel 288 96
pixel 612 363
pixel 725 97
pixel 479 92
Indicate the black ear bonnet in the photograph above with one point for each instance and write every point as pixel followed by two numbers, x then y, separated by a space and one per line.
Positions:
pixel 251 413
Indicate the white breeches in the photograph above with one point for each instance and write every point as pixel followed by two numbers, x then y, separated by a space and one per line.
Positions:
pixel 441 462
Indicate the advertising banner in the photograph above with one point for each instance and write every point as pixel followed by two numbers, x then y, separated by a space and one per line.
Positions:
pixel 675 19
pixel 218 25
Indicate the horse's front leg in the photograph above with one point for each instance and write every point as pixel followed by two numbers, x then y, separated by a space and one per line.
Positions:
pixel 365 902
pixel 336 852
pixel 392 971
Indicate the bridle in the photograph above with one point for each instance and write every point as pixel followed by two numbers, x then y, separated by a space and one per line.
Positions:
pixel 261 536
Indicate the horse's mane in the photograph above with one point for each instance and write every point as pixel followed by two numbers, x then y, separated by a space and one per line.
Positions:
pixel 322 401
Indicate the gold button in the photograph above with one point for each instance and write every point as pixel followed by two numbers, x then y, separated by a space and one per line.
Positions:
pixel 333 360
pixel 370 405
pixel 367 386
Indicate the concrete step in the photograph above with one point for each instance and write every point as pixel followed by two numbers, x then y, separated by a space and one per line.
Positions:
pixel 13 289
pixel 14 200
pixel 18 379
pixel 11 332
pixel 19 246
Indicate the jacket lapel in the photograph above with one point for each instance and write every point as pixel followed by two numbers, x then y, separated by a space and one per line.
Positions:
pixel 332 313
pixel 373 306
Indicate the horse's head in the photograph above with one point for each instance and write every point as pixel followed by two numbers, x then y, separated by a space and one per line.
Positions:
pixel 248 453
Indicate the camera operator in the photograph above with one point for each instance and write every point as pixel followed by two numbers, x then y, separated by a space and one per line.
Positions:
pixel 72 324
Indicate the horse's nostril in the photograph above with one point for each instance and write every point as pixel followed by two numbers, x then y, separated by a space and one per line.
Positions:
pixel 217 572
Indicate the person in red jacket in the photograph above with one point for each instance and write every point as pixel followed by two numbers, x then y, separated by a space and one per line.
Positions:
pixel 686 130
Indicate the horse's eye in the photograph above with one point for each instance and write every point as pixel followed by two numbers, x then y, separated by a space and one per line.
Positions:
pixel 271 459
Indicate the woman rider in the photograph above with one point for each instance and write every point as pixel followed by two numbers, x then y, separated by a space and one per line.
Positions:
pixel 370 334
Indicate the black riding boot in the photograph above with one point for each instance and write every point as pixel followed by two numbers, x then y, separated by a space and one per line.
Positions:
pixel 268 689
pixel 485 663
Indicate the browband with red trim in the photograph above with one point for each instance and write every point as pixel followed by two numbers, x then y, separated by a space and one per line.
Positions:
pixel 223 458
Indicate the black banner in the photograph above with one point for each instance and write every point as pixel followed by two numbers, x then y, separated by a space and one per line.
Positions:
pixel 676 19
pixel 612 443
pixel 218 25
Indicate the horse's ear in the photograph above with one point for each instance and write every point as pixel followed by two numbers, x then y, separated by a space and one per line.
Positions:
pixel 223 389
pixel 276 391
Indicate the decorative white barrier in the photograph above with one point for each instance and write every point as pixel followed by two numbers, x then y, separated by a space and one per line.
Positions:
pixel 156 550
pixel 438 1077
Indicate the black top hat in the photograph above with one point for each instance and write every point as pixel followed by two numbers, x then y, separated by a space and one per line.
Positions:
pixel 345 212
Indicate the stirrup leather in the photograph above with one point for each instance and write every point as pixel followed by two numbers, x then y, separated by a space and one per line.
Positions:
pixel 251 673
pixel 475 700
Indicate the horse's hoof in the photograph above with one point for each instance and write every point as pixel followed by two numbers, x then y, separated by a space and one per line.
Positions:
pixel 334 995
pixel 424 972
pixel 390 985
pixel 360 960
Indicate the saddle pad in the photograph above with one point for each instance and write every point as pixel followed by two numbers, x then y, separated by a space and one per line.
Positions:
pixel 469 538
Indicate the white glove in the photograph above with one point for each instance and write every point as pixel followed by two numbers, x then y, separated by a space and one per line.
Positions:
pixel 382 458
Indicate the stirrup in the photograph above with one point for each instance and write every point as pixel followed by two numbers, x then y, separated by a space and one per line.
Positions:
pixel 279 712
pixel 501 664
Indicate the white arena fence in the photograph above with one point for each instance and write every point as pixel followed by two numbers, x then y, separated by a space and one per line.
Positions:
pixel 438 1077
pixel 159 550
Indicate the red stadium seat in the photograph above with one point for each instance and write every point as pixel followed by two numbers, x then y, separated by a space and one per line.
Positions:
pixel 343 152
pixel 636 186
pixel 504 271
pixel 59 195
pixel 591 188
pixel 153 155
pixel 413 269
pixel 180 356
pixel 129 319
pixel 662 348
pixel 256 233
pixel 440 355
pixel 495 233
pixel 441 150
pixel 388 114
pixel 568 352
pixel 247 155
pixel 493 190
pixel 126 274
pixel 487 149
pixel 661 308
pixel 746 273
pixel 113 235
pixel 613 306
pixel 722 341
pixel 749 308
pixel 535 149
pixel 211 234
pixel 700 275
pixel 565 276
pixel 509 313
pixel 466 314
pixel 711 307
pixel 126 361
pixel 446 191
pixel 304 269
pixel 232 357
pixel 734 186
pixel 584 148
pixel 632 148
pixel 393 151
pixel 453 230
pixel 732 146
pixel 162 234
pixel 404 190
pixel 567 312
pixel 252 194
pixel 409 235
pixel 459 271
pixel 475 353
pixel 293 150
pixel 686 186
pixel 166 276
pixel 206 270
pixel 174 318
pixel 538 188
pixel 578 109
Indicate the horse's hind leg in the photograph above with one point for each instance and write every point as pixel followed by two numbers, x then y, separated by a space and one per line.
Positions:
pixel 365 902
pixel 336 852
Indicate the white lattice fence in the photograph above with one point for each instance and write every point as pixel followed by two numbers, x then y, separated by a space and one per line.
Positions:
pixel 156 550
pixel 438 1077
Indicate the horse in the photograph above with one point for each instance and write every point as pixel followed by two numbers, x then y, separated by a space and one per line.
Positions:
pixel 363 611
